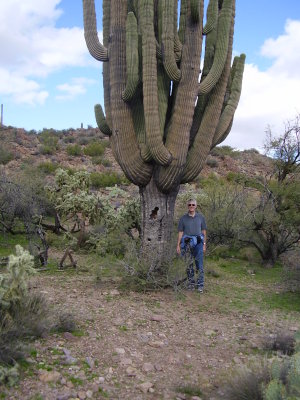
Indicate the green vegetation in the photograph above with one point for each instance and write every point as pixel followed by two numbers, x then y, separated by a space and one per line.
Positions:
pixel 74 150
pixel 94 149
pixel 102 180
pixel 5 155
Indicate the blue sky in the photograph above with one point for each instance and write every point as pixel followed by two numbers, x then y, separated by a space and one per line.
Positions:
pixel 49 80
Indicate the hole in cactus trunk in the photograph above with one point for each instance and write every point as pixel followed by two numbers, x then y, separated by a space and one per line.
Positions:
pixel 153 214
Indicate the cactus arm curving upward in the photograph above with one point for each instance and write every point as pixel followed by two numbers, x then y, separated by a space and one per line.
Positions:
pixel 123 139
pixel 204 138
pixel 152 123
pixel 168 40
pixel 132 57
pixel 211 17
pixel 101 121
pixel 177 140
pixel 222 46
pixel 106 65
pixel 226 118
pixel 97 50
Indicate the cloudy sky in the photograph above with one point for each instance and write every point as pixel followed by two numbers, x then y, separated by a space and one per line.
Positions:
pixel 49 80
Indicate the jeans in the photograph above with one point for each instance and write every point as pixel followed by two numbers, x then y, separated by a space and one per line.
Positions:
pixel 197 253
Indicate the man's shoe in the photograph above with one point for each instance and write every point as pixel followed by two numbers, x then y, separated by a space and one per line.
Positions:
pixel 200 290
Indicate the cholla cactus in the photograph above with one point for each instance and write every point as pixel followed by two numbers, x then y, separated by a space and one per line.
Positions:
pixel 161 121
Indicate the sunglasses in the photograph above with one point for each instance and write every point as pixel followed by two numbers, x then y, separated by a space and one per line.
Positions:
pixel 191 205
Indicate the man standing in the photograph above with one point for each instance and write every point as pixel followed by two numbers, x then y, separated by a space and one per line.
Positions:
pixel 192 226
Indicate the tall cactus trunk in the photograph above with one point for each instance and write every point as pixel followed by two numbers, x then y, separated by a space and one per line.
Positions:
pixel 157 224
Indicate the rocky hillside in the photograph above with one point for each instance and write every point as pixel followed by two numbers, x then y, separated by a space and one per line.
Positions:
pixel 76 149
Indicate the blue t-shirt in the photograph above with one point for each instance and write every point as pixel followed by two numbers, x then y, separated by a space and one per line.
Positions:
pixel 192 226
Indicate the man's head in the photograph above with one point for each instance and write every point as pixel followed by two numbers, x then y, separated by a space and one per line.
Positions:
pixel 192 204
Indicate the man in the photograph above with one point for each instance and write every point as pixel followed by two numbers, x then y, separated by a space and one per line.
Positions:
pixel 193 226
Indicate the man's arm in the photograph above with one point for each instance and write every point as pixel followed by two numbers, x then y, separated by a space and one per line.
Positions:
pixel 180 234
pixel 204 241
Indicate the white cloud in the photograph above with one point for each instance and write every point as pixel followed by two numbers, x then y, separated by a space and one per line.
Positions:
pixel 75 88
pixel 22 90
pixel 32 47
pixel 269 97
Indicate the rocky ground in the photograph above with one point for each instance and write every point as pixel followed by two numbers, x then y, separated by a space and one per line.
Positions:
pixel 159 345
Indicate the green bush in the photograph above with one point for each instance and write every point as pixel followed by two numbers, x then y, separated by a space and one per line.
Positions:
pixel 212 162
pixel 5 156
pixel 223 151
pixel 74 150
pixel 47 150
pixel 48 167
pixel 99 180
pixel 94 149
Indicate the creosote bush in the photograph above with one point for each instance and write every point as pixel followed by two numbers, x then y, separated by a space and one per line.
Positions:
pixel 74 150
pixel 94 149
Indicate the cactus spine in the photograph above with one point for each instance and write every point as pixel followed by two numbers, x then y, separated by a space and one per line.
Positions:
pixel 161 121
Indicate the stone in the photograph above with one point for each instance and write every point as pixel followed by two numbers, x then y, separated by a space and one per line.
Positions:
pixel 114 292
pixel 89 394
pixel 156 344
pixel 157 318
pixel 81 395
pixel 126 361
pixel 49 376
pixel 210 332
pixel 130 371
pixel 120 351
pixel 144 387
pixel 68 336
pixel 90 362
pixel 148 367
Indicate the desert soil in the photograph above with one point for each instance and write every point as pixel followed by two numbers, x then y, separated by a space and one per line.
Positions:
pixel 142 345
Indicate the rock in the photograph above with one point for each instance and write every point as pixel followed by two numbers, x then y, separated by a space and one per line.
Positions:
pixel 156 344
pixel 49 376
pixel 114 292
pixel 126 361
pixel 196 398
pixel 81 395
pixel 130 371
pixel 90 362
pixel 210 332
pixel 148 367
pixel 89 394
pixel 144 387
pixel 120 351
pixel 157 318
pixel 158 367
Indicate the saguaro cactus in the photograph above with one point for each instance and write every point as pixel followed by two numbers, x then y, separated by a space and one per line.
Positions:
pixel 161 121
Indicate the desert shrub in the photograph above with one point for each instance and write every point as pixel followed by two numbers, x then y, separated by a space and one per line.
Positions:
pixel 48 167
pixel 66 323
pixel 74 150
pixel 22 315
pixel 83 141
pixel 212 162
pixel 49 140
pixel 94 149
pixel 291 272
pixel 223 151
pixel 113 243
pixel 47 150
pixel 99 180
pixel 283 342
pixel 106 163
pixel 5 155
pixel 69 139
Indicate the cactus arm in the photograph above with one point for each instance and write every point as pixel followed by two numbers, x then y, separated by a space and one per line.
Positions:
pixel 132 57
pixel 101 121
pixel 152 123
pixel 177 43
pixel 186 94
pixel 106 65
pixel 123 139
pixel 198 152
pixel 168 40
pixel 221 51
pixel 211 17
pixel 139 125
pixel 235 92
pixel 96 49
pixel 195 8
pixel 183 19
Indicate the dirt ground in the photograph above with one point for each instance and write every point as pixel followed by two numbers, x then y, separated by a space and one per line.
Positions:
pixel 142 346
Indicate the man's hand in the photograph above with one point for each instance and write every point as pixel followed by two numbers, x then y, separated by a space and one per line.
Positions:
pixel 204 247
pixel 178 249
